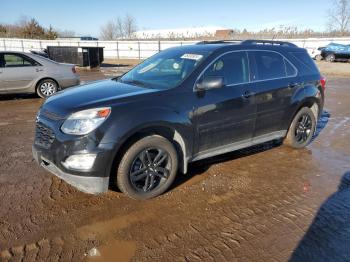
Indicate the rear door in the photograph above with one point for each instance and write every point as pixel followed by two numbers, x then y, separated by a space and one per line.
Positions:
pixel 19 71
pixel 226 115
pixel 275 81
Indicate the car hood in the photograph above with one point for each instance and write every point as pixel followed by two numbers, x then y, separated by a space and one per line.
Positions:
pixel 95 94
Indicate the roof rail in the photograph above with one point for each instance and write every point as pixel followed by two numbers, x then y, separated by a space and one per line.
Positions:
pixel 206 42
pixel 267 42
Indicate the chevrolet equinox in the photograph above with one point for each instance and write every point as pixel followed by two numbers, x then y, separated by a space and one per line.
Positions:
pixel 181 105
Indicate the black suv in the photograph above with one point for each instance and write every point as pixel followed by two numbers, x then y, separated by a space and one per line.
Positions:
pixel 181 105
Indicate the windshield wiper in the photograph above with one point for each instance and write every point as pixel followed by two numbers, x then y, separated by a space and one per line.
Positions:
pixel 134 82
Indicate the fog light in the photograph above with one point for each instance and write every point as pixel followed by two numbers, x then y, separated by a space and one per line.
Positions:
pixel 83 162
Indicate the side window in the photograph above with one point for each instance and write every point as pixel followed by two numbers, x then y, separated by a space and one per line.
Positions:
pixel 306 63
pixel 2 63
pixel 233 67
pixel 290 69
pixel 271 65
pixel 13 60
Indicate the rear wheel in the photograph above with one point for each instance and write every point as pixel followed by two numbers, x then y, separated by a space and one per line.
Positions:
pixel 147 168
pixel 301 129
pixel 46 88
pixel 330 58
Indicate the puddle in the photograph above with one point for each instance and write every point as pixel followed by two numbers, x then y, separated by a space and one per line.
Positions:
pixel 117 251
pixel 109 227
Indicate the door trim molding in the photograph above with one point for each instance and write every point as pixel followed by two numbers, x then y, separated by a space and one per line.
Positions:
pixel 238 145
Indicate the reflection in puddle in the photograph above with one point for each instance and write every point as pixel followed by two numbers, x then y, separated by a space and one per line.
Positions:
pixel 117 251
pixel 322 123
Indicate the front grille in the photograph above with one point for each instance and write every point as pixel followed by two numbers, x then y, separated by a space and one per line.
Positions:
pixel 44 136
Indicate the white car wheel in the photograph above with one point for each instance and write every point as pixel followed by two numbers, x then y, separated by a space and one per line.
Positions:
pixel 47 88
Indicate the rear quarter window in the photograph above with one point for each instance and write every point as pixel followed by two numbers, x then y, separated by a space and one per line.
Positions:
pixel 305 63
pixel 271 65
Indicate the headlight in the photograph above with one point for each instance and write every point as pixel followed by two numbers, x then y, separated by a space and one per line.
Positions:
pixel 83 122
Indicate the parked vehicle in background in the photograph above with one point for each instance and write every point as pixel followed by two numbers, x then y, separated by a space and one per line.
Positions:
pixel 29 73
pixel 315 53
pixel 181 105
pixel 41 52
pixel 336 52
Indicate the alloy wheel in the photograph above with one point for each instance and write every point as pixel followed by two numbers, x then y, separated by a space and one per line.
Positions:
pixel 48 88
pixel 303 128
pixel 150 169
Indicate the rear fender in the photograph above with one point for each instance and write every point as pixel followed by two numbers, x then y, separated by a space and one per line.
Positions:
pixel 308 96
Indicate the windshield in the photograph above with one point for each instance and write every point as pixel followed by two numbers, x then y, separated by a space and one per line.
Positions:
pixel 164 70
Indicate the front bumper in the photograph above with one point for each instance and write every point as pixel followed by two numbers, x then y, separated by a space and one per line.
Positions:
pixel 87 184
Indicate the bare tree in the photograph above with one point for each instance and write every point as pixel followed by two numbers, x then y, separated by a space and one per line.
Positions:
pixel 130 26
pixel 339 16
pixel 109 31
pixel 119 28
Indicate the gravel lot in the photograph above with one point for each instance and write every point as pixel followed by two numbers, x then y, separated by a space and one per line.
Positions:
pixel 253 205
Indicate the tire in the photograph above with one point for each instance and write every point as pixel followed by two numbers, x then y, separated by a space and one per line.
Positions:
pixel 46 88
pixel 141 174
pixel 318 57
pixel 330 58
pixel 301 130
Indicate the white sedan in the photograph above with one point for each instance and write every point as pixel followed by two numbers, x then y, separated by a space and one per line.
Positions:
pixel 315 53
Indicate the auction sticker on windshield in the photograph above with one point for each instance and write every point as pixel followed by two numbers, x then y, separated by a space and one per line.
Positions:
pixel 192 57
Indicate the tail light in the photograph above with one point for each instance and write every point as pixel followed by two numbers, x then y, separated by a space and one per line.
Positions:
pixel 73 70
pixel 323 82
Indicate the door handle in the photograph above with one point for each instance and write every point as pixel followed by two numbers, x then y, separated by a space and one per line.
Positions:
pixel 39 70
pixel 248 94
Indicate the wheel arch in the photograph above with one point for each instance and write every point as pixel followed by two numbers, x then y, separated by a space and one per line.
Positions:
pixel 45 78
pixel 169 132
pixel 311 102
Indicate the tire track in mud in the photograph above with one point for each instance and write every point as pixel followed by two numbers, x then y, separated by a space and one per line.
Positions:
pixel 224 237
pixel 56 249
pixel 228 225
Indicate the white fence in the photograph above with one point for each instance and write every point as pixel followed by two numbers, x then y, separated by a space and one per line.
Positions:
pixel 135 49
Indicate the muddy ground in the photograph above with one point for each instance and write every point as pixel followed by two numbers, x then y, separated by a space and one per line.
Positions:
pixel 253 205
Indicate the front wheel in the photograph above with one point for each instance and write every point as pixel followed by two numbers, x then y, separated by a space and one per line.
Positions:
pixel 148 168
pixel 318 57
pixel 301 129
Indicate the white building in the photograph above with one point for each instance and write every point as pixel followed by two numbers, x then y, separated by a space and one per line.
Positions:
pixel 191 32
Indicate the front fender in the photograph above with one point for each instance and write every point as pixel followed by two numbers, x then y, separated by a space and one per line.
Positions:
pixel 124 123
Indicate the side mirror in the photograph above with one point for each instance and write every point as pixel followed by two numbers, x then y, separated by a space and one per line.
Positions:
pixel 210 82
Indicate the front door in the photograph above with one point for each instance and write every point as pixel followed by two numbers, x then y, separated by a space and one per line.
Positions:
pixel 18 72
pixel 225 115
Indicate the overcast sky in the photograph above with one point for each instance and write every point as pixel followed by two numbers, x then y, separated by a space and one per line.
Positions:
pixel 86 17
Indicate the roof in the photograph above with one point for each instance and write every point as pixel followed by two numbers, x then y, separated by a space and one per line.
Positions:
pixel 211 46
pixel 249 42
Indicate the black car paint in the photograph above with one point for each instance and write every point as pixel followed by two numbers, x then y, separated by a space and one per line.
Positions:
pixel 338 56
pixel 203 119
